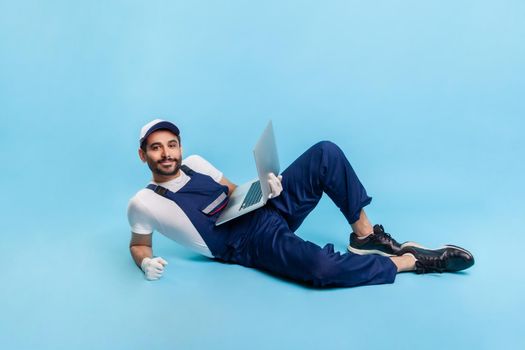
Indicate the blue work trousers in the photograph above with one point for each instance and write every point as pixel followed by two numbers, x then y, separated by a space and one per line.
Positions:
pixel 266 240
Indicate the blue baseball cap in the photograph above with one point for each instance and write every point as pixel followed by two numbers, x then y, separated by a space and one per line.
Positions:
pixel 154 125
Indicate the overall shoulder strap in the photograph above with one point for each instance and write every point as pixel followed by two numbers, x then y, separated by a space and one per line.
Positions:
pixel 163 191
pixel 187 170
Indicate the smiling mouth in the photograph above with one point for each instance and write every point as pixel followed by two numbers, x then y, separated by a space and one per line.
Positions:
pixel 167 162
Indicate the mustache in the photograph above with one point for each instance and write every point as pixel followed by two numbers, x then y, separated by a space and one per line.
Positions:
pixel 168 158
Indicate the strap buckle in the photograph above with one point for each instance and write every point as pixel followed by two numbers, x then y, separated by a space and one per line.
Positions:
pixel 161 190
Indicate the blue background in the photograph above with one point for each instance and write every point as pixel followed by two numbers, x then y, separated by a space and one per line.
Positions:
pixel 425 97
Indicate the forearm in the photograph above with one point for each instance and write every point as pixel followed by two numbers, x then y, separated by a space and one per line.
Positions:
pixel 140 249
pixel 139 252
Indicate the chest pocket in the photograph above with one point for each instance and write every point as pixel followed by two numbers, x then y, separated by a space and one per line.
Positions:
pixel 217 205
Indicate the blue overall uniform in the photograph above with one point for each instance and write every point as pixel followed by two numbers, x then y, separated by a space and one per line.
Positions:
pixel 265 239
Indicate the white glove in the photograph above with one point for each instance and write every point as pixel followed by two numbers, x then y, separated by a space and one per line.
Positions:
pixel 276 187
pixel 153 268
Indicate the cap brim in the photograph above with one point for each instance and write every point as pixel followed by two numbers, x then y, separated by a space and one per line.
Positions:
pixel 164 125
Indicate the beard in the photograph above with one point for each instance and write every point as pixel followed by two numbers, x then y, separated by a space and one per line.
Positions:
pixel 156 167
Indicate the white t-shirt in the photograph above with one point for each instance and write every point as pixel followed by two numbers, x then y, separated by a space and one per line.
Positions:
pixel 148 211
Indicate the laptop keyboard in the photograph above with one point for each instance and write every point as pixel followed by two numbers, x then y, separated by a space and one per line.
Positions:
pixel 253 196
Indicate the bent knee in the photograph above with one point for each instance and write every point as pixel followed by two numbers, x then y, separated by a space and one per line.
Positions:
pixel 328 148
pixel 327 145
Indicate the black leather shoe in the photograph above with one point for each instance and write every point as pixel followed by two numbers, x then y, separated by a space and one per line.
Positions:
pixel 450 258
pixel 378 242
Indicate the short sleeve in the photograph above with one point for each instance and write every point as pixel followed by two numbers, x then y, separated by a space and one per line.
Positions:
pixel 140 219
pixel 201 165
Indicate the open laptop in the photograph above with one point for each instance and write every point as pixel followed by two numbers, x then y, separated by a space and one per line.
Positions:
pixel 254 194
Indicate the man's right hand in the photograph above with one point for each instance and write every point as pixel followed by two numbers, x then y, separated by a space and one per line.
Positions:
pixel 153 268
pixel 276 186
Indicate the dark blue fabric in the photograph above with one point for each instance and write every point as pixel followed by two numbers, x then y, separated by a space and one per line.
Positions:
pixel 323 168
pixel 272 245
pixel 192 198
pixel 265 238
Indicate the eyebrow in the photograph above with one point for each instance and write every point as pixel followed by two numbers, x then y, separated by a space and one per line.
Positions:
pixel 159 143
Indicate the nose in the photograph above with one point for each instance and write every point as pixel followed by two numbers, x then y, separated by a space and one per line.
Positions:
pixel 165 153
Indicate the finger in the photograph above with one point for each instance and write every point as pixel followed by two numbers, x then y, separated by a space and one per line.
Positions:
pixel 280 177
pixel 156 265
pixel 158 268
pixel 276 187
pixel 160 261
pixel 273 185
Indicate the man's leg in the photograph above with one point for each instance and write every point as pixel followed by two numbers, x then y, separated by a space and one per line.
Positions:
pixel 323 168
pixel 270 245
pixel 404 263
pixel 362 227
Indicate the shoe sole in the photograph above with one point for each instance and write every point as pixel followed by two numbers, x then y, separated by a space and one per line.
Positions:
pixel 406 244
pixel 367 252
pixel 379 252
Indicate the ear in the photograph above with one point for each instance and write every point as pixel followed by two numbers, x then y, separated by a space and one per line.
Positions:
pixel 142 155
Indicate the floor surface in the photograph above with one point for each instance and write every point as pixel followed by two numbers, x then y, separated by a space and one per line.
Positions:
pixel 425 98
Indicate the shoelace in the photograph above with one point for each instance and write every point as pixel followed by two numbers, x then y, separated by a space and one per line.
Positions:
pixel 377 235
pixel 380 237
